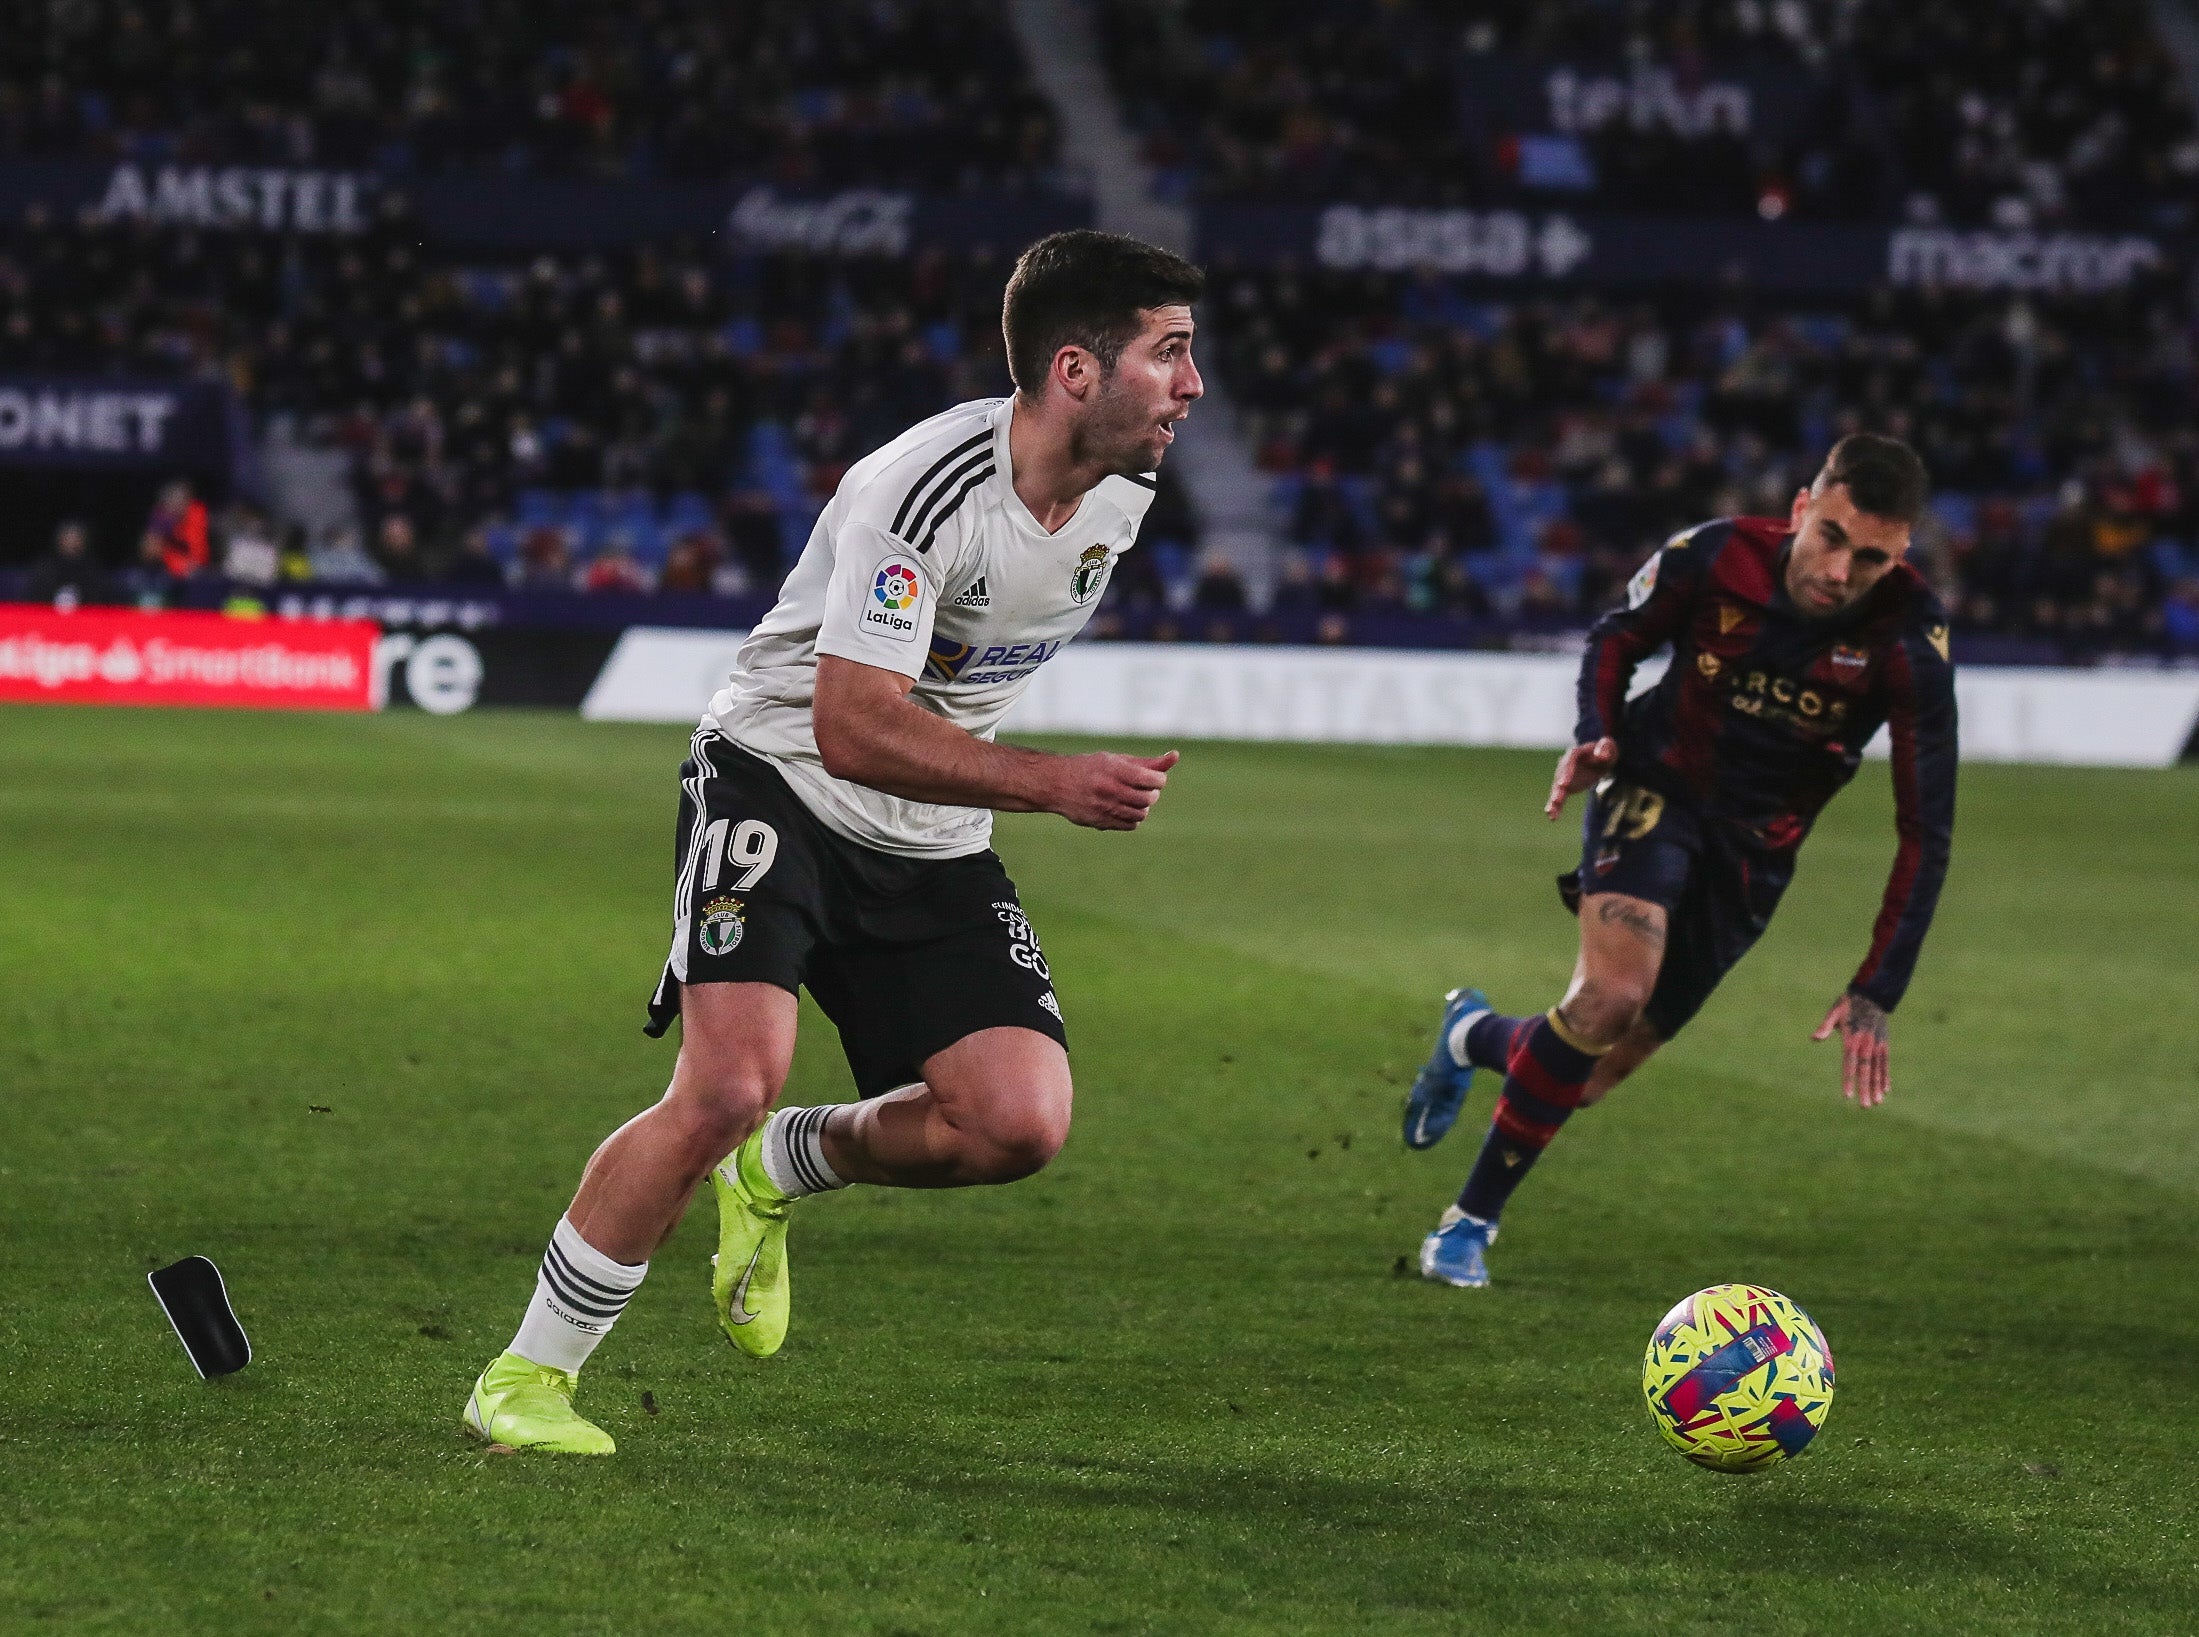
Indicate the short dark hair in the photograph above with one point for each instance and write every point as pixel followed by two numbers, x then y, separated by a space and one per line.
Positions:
pixel 1086 289
pixel 1882 475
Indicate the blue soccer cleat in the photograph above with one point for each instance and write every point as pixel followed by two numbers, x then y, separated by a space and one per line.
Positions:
pixel 1439 1090
pixel 1457 1253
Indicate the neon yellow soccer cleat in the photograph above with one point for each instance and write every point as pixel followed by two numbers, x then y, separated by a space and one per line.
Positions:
pixel 748 1281
pixel 524 1405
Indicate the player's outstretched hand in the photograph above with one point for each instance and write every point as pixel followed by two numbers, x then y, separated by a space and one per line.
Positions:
pixel 1862 1024
pixel 1580 768
pixel 1106 791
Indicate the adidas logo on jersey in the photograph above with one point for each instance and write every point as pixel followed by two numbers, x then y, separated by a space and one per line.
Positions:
pixel 973 595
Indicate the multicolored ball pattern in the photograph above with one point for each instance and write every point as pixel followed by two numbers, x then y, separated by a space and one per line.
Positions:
pixel 895 586
pixel 1738 1378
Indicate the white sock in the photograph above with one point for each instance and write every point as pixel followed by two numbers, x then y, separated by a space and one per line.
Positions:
pixel 793 1152
pixel 578 1296
pixel 1454 1213
pixel 1455 1042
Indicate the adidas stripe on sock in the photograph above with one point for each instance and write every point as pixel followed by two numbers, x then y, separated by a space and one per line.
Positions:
pixel 578 1295
pixel 793 1152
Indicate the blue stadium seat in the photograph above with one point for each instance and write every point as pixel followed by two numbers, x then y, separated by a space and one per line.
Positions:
pixel 1957 513
pixel 1393 356
pixel 540 506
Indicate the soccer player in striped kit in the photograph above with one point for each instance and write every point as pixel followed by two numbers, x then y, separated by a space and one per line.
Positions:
pixel 1793 641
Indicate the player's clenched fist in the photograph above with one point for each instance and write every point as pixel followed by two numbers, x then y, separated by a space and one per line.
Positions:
pixel 1107 791
pixel 1580 768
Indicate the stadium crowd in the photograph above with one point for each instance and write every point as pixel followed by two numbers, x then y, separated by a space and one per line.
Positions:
pixel 672 419
pixel 669 418
pixel 2027 113
pixel 831 93
pixel 1437 450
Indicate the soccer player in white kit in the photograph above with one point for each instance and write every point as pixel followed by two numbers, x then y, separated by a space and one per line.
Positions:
pixel 835 820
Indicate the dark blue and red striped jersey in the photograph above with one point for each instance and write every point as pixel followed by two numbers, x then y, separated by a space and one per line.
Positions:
pixel 1765 711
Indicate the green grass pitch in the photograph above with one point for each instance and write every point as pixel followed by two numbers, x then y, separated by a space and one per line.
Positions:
pixel 1175 1384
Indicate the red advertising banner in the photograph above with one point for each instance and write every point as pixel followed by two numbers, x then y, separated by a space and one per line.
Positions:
pixel 108 657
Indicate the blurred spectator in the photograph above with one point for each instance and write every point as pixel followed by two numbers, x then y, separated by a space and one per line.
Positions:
pixel 2180 617
pixel 1294 584
pixel 1541 597
pixel 70 576
pixel 249 555
pixel 752 528
pixel 1459 591
pixel 176 535
pixel 545 561
pixel 729 579
pixel 341 560
pixel 691 566
pixel 474 564
pixel 397 550
pixel 615 568
pixel 294 562
pixel 1219 589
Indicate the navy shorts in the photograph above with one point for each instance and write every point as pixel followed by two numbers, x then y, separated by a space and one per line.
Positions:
pixel 1717 884
pixel 905 955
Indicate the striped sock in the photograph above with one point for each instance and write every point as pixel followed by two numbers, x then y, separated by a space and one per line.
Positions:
pixel 793 1152
pixel 578 1296
pixel 1548 1071
pixel 1485 1041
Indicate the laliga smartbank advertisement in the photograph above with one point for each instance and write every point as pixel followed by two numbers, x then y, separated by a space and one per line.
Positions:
pixel 109 657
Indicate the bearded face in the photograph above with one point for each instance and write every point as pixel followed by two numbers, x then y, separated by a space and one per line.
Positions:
pixel 1129 422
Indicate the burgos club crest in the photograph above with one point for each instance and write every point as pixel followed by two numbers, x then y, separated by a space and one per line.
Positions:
pixel 895 592
pixel 1090 574
pixel 722 926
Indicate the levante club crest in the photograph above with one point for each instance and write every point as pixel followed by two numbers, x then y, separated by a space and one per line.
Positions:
pixel 722 926
pixel 1090 575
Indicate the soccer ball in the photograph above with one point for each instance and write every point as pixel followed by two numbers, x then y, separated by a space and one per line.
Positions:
pixel 1738 1378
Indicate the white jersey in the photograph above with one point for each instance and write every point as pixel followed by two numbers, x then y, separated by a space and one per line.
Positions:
pixel 926 563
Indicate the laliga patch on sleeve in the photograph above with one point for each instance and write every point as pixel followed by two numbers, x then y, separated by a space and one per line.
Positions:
pixel 896 595
pixel 1644 581
pixel 197 1304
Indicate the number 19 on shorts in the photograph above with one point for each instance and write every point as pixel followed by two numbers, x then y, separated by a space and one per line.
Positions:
pixel 1634 812
pixel 748 847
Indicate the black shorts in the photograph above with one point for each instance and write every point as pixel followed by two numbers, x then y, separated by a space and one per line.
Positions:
pixel 905 955
pixel 1717 885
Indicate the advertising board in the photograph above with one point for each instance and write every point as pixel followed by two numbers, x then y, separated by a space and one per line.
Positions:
pixel 109 657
